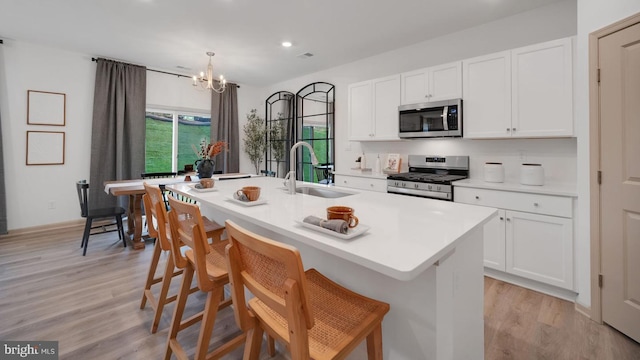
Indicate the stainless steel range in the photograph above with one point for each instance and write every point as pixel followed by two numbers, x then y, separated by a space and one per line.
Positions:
pixel 430 176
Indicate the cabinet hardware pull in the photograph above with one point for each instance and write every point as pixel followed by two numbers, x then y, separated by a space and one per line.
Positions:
pixel 535 204
pixel 514 129
pixel 501 218
pixel 477 197
pixel 508 219
pixel 508 129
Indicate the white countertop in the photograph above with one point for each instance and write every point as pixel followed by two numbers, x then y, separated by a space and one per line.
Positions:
pixel 407 234
pixel 559 189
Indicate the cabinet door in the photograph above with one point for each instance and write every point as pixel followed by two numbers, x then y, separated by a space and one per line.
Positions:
pixel 362 183
pixel 386 99
pixel 494 242
pixel 540 247
pixel 414 85
pixel 360 111
pixel 487 96
pixel 542 90
pixel 445 82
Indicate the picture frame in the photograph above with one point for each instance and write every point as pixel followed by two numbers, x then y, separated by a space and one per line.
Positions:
pixel 45 147
pixel 46 108
pixel 393 164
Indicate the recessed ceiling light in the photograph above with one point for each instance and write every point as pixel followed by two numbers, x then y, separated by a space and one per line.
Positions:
pixel 286 43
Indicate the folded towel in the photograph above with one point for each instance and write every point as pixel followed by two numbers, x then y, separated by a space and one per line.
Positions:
pixel 241 197
pixel 339 226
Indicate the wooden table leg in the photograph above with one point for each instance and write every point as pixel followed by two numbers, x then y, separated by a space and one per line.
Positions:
pixel 134 221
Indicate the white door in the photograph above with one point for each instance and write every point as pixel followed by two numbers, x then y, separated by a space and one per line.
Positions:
pixel 445 82
pixel 542 85
pixel 494 242
pixel 360 110
pixel 386 99
pixel 619 62
pixel 486 86
pixel 540 247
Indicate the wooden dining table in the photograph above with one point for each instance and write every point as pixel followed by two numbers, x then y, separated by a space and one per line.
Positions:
pixel 134 189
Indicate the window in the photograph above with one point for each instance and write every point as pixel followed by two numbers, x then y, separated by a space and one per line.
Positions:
pixel 169 137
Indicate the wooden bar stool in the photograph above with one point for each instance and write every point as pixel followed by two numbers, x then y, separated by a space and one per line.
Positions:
pixel 314 316
pixel 208 263
pixel 159 229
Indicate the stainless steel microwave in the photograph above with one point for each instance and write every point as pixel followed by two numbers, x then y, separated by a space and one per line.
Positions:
pixel 434 119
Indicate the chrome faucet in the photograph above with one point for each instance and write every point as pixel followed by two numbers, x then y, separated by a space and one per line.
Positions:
pixel 290 179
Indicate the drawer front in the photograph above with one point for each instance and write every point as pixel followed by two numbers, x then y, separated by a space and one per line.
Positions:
pixel 362 183
pixel 532 203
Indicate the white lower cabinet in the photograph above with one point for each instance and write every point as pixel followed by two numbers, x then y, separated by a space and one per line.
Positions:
pixel 362 183
pixel 494 243
pixel 527 238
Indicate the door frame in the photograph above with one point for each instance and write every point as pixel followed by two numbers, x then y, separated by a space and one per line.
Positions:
pixel 594 160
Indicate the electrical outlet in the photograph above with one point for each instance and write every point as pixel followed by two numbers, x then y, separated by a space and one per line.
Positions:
pixel 51 205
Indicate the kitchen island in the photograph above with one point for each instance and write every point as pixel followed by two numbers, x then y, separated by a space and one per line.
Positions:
pixel 422 256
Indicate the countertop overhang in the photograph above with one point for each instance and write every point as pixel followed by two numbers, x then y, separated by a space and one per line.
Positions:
pixel 407 234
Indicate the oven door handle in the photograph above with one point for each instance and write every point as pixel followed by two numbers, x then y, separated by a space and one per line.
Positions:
pixel 422 193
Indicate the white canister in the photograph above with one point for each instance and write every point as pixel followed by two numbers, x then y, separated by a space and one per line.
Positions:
pixel 493 172
pixel 531 174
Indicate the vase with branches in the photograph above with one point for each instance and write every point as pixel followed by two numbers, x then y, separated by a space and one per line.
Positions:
pixel 255 142
pixel 277 140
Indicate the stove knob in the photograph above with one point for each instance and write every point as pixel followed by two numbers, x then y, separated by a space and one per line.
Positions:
pixel 429 187
pixel 416 186
pixel 404 185
pixel 438 187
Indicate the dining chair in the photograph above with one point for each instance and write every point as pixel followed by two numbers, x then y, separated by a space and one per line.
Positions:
pixel 91 214
pixel 160 175
pixel 315 317
pixel 207 262
pixel 158 225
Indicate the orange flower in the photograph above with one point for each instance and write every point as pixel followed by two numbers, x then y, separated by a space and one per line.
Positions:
pixel 217 148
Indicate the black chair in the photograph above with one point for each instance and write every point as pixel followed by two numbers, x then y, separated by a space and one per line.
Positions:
pixel 323 173
pixel 161 175
pixel 90 214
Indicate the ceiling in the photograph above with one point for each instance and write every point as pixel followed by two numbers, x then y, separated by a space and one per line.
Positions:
pixel 246 35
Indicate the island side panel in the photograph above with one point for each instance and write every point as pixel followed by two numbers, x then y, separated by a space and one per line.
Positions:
pixel 412 328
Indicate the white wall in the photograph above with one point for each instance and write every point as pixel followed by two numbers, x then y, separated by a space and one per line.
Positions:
pixel 30 189
pixel 519 30
pixel 592 15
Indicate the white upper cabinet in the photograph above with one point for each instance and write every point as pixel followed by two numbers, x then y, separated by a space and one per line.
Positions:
pixel 542 90
pixel 525 92
pixel 360 110
pixel 373 109
pixel 442 82
pixel 487 96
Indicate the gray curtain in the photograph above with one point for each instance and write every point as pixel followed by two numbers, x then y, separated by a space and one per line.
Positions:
pixel 118 131
pixel 3 191
pixel 224 126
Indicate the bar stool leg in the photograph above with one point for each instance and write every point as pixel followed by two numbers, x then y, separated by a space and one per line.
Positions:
pixel 164 291
pixel 208 321
pixel 155 258
pixel 187 277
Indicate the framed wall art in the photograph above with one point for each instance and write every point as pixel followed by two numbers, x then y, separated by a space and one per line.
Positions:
pixel 392 165
pixel 46 108
pixel 45 147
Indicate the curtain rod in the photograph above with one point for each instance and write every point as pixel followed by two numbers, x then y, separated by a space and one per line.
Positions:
pixel 158 71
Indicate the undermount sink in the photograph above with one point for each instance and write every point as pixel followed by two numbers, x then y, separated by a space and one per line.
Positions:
pixel 321 192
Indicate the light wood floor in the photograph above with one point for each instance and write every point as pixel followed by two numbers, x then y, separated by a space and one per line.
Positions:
pixel 49 291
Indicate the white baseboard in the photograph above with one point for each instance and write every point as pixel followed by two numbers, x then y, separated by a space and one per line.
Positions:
pixel 532 284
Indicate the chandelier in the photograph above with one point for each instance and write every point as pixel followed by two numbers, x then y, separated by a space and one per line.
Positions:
pixel 206 80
